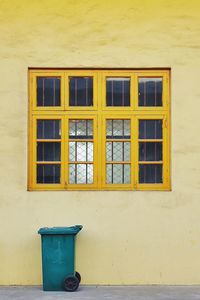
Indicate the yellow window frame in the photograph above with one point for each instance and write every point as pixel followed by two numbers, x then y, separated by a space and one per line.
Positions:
pixel 33 90
pixel 99 113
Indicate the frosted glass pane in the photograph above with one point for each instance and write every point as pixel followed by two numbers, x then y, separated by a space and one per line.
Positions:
pixel 72 174
pixel 81 151
pixel 127 174
pixel 127 130
pixel 109 177
pixel 117 174
pixel 72 151
pixel 118 151
pixel 90 173
pixel 109 125
pixel 118 129
pixel 81 173
pixel 81 129
pixel 126 151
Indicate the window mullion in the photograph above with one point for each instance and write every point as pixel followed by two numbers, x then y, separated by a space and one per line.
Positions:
pixel 66 151
pixel 134 153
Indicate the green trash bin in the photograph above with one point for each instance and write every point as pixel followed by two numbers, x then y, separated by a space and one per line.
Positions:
pixel 58 258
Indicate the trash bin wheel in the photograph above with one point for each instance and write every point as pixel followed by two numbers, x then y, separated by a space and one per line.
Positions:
pixel 78 275
pixel 71 283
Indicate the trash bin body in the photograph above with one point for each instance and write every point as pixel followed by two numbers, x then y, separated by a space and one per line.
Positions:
pixel 58 255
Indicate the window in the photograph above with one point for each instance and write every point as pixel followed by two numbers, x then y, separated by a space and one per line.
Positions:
pixel 99 129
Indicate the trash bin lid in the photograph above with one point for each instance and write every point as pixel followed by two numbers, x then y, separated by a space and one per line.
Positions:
pixel 60 230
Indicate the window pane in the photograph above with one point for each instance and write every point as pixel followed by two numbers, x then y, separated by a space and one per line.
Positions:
pixel 81 91
pixel 150 173
pixel 150 91
pixel 48 129
pixel 48 151
pixel 117 173
pixel 80 129
pixel 150 151
pixel 118 129
pixel 81 151
pixel 80 173
pixel 48 91
pixel 48 173
pixel 150 129
pixel 118 91
pixel 118 151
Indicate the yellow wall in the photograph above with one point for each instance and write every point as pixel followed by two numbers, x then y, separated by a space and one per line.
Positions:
pixel 128 237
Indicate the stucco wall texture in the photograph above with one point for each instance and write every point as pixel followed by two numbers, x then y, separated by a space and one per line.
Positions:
pixel 128 237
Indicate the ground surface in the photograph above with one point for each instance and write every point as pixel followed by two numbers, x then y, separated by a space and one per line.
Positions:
pixel 105 293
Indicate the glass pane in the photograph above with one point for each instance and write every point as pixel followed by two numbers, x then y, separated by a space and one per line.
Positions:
pixel 126 128
pixel 90 173
pixel 72 151
pixel 149 151
pixel 80 129
pixel 118 129
pixel 48 129
pixel 72 174
pixel 109 128
pixel 80 151
pixel 118 151
pixel 48 91
pixel 81 91
pixel 117 174
pixel 127 174
pixel 48 151
pixel 150 91
pixel 80 173
pixel 150 129
pixel 48 173
pixel 118 91
pixel 150 173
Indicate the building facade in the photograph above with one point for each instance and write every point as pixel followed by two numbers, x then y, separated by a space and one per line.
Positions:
pixel 133 235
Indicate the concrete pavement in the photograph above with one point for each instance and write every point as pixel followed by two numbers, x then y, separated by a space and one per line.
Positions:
pixel 104 293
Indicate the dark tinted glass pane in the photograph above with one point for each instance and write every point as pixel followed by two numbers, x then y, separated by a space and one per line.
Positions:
pixel 48 151
pixel 48 129
pixel 48 173
pixel 150 173
pixel 118 91
pixel 150 129
pixel 48 91
pixel 150 151
pixel 81 91
pixel 150 91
